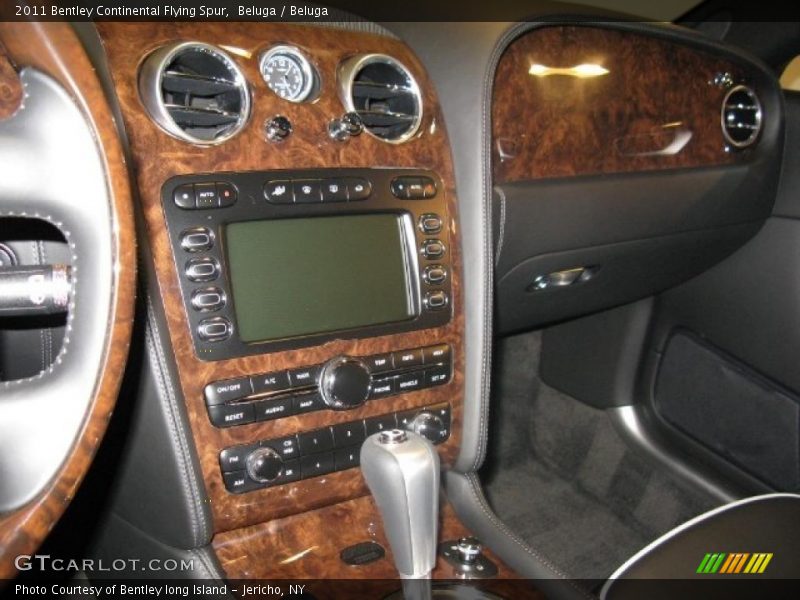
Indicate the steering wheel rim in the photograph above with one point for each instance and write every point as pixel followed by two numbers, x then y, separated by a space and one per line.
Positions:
pixel 63 96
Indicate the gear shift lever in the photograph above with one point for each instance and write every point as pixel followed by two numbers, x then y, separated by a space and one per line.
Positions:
pixel 402 471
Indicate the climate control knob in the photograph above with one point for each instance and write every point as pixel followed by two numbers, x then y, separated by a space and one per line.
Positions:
pixel 264 465
pixel 429 426
pixel 344 383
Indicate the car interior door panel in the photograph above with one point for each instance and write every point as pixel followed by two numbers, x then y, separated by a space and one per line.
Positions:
pixel 501 308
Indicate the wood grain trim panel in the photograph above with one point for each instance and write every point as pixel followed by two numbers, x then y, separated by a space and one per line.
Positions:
pixel 656 93
pixel 307 547
pixel 10 87
pixel 157 157
pixel 54 49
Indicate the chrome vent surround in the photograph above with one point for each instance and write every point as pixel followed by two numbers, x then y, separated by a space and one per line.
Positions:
pixel 195 92
pixel 741 117
pixel 384 94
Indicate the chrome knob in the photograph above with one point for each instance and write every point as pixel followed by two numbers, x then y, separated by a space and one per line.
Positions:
pixel 429 426
pixel 277 128
pixel 348 125
pixel 345 383
pixel 469 550
pixel 264 465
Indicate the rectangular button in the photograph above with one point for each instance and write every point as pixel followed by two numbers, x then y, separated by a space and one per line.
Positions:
pixel 279 192
pixel 437 375
pixel 307 191
pixel 376 424
pixel 220 392
pixel 408 358
pixel 416 188
pixel 347 458
pixel 184 196
pixel 315 441
pixel 334 190
pixel 304 376
pixel 287 447
pixel 428 187
pixel 404 418
pixel 379 363
pixel 383 387
pixel 270 382
pixel 226 194
pixel 348 434
pixel 316 465
pixel 228 415
pixel 436 354
pixel 206 195
pixel 443 412
pixel 267 410
pixel 408 382
pixel 357 188
pixel 238 482
pixel 233 458
pixel 308 403
pixel 291 472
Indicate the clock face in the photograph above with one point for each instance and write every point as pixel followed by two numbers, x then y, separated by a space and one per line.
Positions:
pixel 288 74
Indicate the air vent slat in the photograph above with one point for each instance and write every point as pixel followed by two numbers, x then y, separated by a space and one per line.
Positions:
pixel 741 117
pixel 195 92
pixel 384 94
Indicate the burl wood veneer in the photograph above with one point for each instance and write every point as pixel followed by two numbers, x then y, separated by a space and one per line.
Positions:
pixel 307 547
pixel 655 94
pixel 54 49
pixel 156 157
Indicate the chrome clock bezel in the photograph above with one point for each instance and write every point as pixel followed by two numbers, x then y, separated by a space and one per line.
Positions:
pixel 307 69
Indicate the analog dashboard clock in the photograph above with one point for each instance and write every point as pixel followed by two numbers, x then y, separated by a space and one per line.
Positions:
pixel 288 73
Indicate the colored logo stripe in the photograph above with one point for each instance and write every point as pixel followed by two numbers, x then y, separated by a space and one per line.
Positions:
pixel 734 563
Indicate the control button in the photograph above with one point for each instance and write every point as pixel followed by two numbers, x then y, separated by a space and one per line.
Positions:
pixel 208 299
pixel 220 392
pixel 400 187
pixel 405 418
pixel 202 269
pixel 379 363
pixel 234 458
pixel 287 447
pixel 383 387
pixel 416 188
pixel 334 190
pixel 307 191
pixel 184 196
pixel 312 442
pixel 308 403
pixel 430 426
pixel 305 376
pixel 432 355
pixel 408 358
pixel 348 434
pixel 442 411
pixel 437 375
pixel 267 410
pixel 206 195
pixel 382 423
pixel 238 482
pixel 347 458
pixel 215 329
pixel 435 300
pixel 228 415
pixel 291 472
pixel 344 383
pixel 264 465
pixel 432 249
pixel 270 382
pixel 226 193
pixel 314 466
pixel 430 223
pixel 197 239
pixel 279 192
pixel 408 382
pixel 428 188
pixel 434 274
pixel 357 188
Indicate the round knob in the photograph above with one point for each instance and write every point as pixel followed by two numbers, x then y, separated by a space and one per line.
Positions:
pixel 264 465
pixel 429 426
pixel 469 549
pixel 344 383
pixel 277 128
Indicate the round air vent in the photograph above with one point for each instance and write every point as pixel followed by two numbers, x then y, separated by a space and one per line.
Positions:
pixel 741 117
pixel 384 94
pixel 195 92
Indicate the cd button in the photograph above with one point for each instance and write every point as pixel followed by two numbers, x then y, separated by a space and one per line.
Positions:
pixel 287 447
pixel 307 191
pixel 279 192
